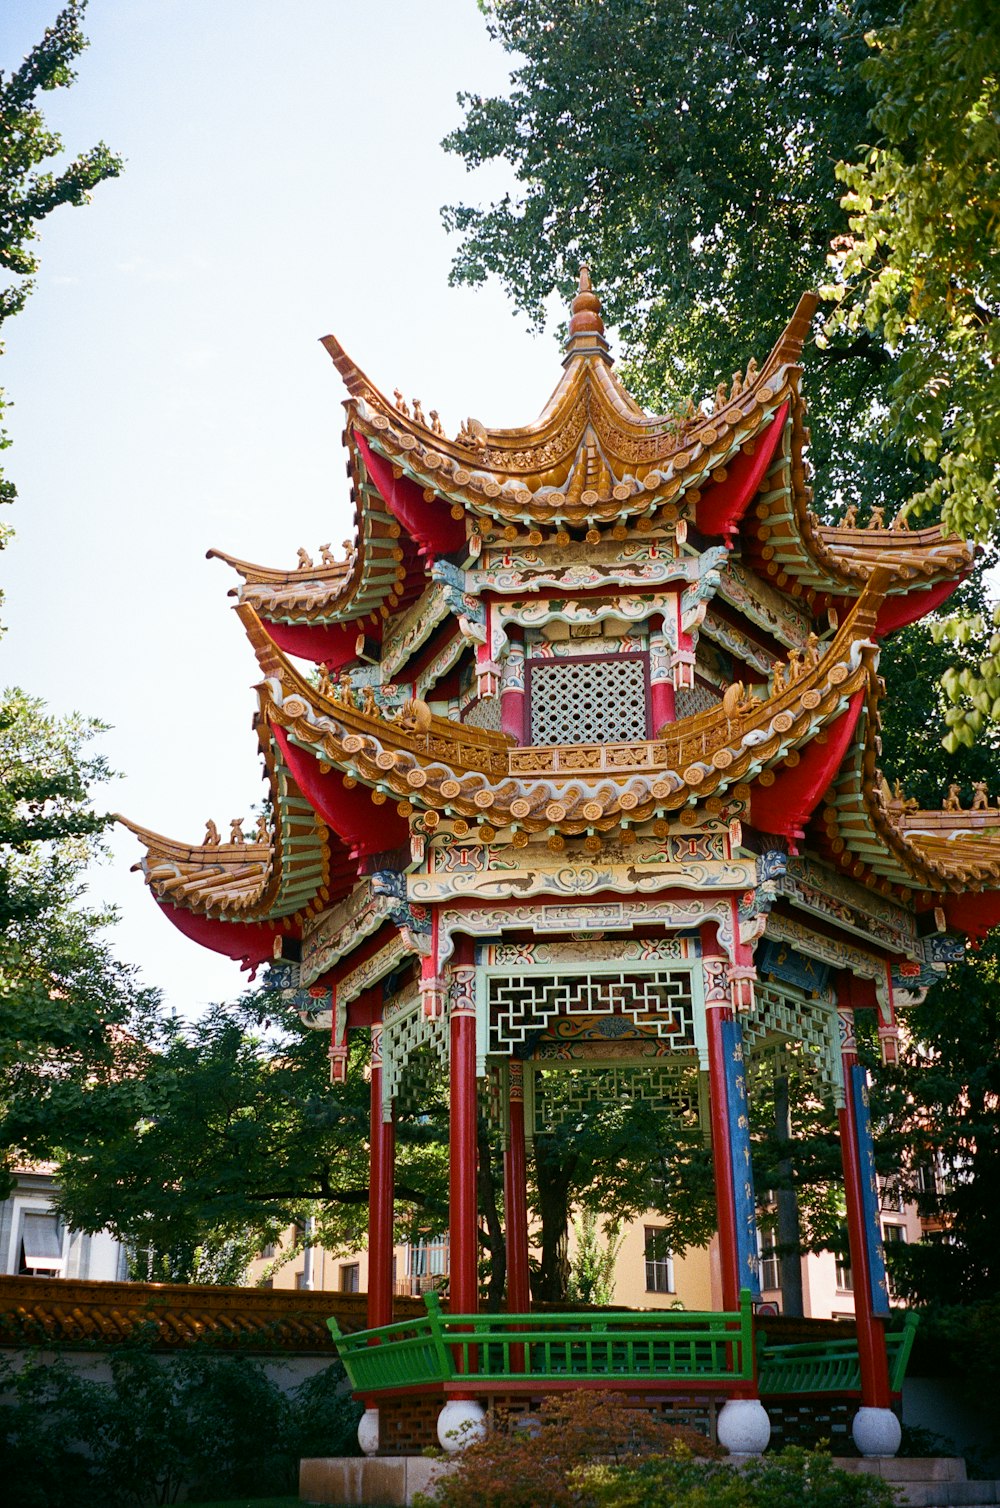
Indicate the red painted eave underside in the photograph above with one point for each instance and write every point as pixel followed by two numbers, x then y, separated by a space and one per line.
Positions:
pixel 721 510
pixel 347 813
pixel 430 524
pixel 250 943
pixel 909 607
pixel 330 644
pixel 785 807
pixel 972 913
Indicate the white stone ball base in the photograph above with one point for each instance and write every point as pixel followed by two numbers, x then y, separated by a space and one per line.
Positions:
pixel 461 1422
pixel 876 1432
pixel 744 1428
pixel 368 1432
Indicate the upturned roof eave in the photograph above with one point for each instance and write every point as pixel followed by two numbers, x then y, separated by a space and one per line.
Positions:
pixel 278 882
pixel 878 842
pixel 470 773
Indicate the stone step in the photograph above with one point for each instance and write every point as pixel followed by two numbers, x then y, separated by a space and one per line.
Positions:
pixel 907 1468
pixel 927 1481
pixel 949 1494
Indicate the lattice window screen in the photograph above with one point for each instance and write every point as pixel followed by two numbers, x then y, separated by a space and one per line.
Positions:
pixel 795 1032
pixel 524 1002
pixel 484 714
pixel 588 701
pixel 699 699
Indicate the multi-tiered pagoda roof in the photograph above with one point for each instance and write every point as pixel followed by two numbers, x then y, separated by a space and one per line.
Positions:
pixel 684 546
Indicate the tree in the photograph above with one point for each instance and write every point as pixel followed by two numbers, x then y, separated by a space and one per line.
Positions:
pixel 619 1156
pixel 687 154
pixel 65 1001
pixel 940 1114
pixel 27 195
pixel 920 270
pixel 225 1132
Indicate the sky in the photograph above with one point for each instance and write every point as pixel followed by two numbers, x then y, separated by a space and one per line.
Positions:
pixel 283 180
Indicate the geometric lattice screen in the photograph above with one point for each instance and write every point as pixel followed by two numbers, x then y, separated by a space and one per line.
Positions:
pixel 698 699
pixel 525 1000
pixel 588 701
pixel 484 713
pixel 792 1032
pixel 563 1097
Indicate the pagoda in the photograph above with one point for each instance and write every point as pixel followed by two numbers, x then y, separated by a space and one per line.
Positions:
pixel 583 780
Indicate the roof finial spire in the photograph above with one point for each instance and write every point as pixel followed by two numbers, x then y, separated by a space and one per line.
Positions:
pixel 586 309
pixel 586 327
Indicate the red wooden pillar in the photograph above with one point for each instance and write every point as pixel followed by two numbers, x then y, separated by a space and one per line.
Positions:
pixel 717 1010
pixel 380 1197
pixel 513 707
pixel 463 1148
pixel 515 1194
pixel 875 1390
pixel 661 681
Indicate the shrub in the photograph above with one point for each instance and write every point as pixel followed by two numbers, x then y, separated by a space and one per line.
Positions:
pixel 525 1462
pixel 212 1425
pixel 792 1479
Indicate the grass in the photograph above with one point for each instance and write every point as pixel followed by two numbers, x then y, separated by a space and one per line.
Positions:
pixel 247 1503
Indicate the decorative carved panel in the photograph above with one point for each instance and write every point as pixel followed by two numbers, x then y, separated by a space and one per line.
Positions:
pixel 564 1095
pixel 523 1002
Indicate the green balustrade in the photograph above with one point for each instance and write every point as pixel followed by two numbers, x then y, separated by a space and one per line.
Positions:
pixel 829 1366
pixel 542 1349
pixel 550 1348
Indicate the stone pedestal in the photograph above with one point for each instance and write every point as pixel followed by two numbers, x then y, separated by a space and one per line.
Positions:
pixel 393 1480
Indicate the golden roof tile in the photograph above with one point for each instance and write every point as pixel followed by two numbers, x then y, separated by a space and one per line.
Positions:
pixel 593 456
pixel 173 1315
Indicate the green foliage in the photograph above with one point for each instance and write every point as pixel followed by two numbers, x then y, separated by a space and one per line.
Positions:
pixel 523 1463
pixel 920 271
pixel 787 1480
pixel 27 195
pixel 939 1114
pixel 226 1132
pixel 64 999
pixel 686 153
pixel 214 1425
pixel 809 1162
pixel 926 670
pixel 592 1268
pixel 619 1158
pixel 964 1340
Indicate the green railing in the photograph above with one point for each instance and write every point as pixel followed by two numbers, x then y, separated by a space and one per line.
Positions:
pixel 550 1348
pixel 829 1366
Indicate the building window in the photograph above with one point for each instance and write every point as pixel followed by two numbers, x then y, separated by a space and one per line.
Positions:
pixel 427 1262
pixel 845 1277
pixel 350 1277
pixel 41 1254
pixel 659 1261
pixel 770 1264
pixel 892 1233
pixel 578 701
pixel 891 1196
